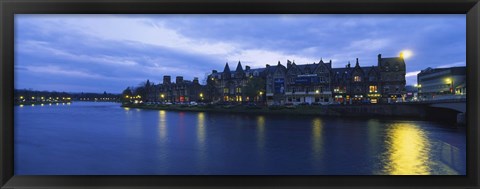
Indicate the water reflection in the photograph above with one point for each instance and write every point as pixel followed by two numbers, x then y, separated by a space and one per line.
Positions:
pixel 408 150
pixel 317 138
pixel 202 152
pixel 201 128
pixel 260 132
pixel 162 123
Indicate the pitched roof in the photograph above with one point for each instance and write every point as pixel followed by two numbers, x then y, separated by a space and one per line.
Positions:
pixel 239 67
pixel 226 69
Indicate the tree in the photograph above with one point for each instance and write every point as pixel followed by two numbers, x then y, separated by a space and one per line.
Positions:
pixel 254 86
pixel 211 90
pixel 126 94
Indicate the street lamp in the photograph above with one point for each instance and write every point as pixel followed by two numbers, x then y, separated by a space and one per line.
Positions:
pixel 450 82
pixel 406 54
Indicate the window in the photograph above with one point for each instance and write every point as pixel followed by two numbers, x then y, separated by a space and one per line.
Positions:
pixel 357 78
pixel 239 90
pixel 373 89
pixel 225 90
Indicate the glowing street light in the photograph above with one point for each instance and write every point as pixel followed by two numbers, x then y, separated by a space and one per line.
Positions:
pixel 21 97
pixel 450 82
pixel 405 54
pixel 317 91
pixel 261 93
pixel 201 95
pixel 162 95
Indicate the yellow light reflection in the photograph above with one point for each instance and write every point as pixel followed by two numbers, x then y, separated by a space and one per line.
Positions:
pixel 21 105
pixel 317 137
pixel 163 125
pixel 408 150
pixel 260 132
pixel 201 128
pixel 201 137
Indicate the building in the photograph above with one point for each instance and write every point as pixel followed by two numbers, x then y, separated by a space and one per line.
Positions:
pixel 438 83
pixel 316 82
pixel 230 86
pixel 179 91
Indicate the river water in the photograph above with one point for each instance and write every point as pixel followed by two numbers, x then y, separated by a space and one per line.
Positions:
pixel 93 138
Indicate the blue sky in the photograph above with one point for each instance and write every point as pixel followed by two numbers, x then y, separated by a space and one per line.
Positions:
pixel 96 53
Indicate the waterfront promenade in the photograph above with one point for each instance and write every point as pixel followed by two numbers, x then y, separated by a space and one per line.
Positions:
pixel 400 110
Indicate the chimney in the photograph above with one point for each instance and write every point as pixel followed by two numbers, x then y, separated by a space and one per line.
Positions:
pixel 166 79
pixel 179 79
pixel 379 57
pixel 247 67
pixel 214 71
pixel 195 80
pixel 268 65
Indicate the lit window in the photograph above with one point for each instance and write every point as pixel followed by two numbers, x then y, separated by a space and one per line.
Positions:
pixel 225 90
pixel 357 78
pixel 239 90
pixel 373 88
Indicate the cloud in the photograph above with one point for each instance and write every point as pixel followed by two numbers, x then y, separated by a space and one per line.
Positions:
pixel 132 47
pixel 55 70
pixel 45 48
pixel 412 74
pixel 368 44
pixel 452 65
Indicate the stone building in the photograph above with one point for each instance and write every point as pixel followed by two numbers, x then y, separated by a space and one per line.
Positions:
pixel 317 82
pixel 229 85
pixel 179 91
pixel 435 83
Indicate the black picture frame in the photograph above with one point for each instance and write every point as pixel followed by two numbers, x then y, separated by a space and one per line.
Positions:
pixel 11 7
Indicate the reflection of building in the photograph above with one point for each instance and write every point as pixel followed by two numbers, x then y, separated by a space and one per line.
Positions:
pixel 317 82
pixel 439 82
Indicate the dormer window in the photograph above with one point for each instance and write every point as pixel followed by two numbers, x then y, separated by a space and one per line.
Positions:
pixel 357 78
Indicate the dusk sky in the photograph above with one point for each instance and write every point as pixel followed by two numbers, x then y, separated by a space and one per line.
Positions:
pixel 96 53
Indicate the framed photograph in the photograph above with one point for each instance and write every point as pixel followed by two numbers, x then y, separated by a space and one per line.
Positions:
pixel 187 94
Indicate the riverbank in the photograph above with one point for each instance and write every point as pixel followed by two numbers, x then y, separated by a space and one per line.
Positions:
pixel 41 103
pixel 400 111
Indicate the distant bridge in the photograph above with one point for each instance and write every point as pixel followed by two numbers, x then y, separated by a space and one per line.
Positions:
pixel 459 105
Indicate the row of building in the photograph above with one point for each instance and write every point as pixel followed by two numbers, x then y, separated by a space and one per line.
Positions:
pixel 317 82
pixel 312 83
